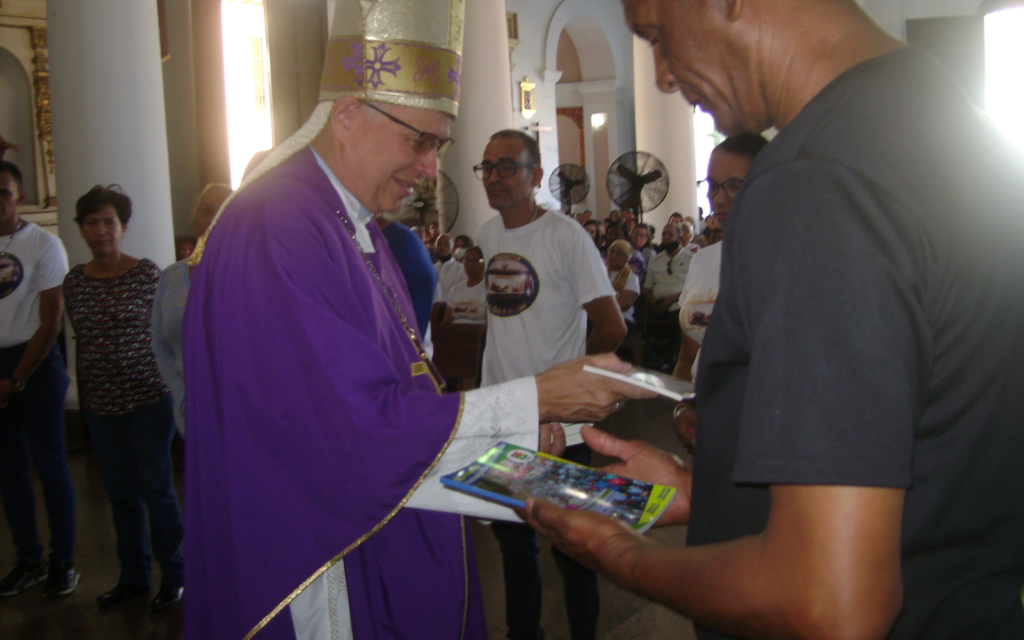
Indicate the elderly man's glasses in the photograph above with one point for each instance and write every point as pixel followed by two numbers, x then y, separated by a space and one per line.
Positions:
pixel 710 188
pixel 507 167
pixel 425 143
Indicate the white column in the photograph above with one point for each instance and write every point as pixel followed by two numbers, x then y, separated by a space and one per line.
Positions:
pixel 485 106
pixel 664 127
pixel 107 96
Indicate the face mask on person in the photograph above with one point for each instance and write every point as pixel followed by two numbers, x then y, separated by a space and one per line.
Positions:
pixel 460 253
pixel 670 246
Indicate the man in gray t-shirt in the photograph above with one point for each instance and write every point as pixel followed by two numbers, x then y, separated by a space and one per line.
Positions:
pixel 859 467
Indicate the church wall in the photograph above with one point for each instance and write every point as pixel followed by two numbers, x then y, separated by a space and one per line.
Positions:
pixel 24 9
pixel 180 108
pixel 568 59
pixel 541 23
pixel 891 14
pixel 16 120
pixel 25 106
pixel 297 38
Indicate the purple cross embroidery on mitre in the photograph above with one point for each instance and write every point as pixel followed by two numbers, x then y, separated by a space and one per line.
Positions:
pixel 355 61
pixel 379 65
pixel 454 76
pixel 426 70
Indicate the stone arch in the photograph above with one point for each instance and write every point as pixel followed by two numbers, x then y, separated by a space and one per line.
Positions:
pixel 589 31
pixel 16 119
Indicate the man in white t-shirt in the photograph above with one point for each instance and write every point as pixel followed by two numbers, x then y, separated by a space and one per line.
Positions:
pixel 467 300
pixel 449 270
pixel 667 270
pixel 544 279
pixel 33 383
pixel 666 274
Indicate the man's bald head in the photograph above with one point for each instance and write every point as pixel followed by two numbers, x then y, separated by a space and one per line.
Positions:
pixel 753 64
pixel 443 245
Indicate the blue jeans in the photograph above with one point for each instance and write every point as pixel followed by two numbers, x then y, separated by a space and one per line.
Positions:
pixel 520 556
pixel 134 452
pixel 32 425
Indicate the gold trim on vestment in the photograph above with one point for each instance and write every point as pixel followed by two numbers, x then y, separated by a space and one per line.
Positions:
pixel 465 575
pixel 366 536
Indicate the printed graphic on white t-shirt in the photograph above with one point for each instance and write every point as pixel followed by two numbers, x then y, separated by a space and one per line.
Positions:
pixel 468 304
pixel 512 284
pixel 697 300
pixel 11 274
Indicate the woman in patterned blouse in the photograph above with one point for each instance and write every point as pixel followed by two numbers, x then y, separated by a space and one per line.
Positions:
pixel 125 402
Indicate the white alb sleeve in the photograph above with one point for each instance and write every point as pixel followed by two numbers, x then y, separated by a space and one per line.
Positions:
pixel 506 411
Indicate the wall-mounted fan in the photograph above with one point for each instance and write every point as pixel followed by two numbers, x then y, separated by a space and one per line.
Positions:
pixel 431 201
pixel 570 184
pixel 637 181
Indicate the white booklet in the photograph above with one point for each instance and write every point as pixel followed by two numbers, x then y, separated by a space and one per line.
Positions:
pixel 660 383
pixel 572 432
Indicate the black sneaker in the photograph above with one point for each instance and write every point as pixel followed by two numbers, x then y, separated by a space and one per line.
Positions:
pixel 25 574
pixel 61 580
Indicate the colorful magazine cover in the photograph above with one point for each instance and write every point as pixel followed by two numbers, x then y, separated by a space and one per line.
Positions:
pixel 509 474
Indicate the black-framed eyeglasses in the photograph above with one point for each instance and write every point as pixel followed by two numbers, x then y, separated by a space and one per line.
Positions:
pixel 711 188
pixel 507 167
pixel 425 142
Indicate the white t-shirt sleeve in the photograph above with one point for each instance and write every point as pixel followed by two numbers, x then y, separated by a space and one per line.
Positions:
pixel 453 293
pixel 633 283
pixel 53 262
pixel 506 411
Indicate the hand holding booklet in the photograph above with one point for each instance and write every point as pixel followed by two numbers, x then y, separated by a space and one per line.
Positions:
pixel 508 474
pixel 656 381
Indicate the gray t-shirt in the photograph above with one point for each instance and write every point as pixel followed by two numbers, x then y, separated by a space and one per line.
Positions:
pixel 869 331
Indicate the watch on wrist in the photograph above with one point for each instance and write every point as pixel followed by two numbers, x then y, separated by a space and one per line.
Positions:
pixel 17 384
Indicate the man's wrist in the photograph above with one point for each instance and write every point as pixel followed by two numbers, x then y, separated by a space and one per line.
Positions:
pixel 17 384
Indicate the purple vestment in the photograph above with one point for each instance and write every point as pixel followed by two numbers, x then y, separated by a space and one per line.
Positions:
pixel 307 427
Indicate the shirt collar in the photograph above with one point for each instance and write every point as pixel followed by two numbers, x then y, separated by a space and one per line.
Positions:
pixel 352 205
pixel 359 214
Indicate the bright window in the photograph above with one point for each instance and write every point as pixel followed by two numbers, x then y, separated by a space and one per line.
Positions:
pixel 246 82
pixel 1004 71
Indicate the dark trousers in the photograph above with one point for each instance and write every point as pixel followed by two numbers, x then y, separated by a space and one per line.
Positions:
pixel 662 340
pixel 520 556
pixel 134 452
pixel 32 427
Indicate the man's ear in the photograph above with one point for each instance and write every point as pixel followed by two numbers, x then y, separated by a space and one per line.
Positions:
pixel 22 194
pixel 343 112
pixel 538 176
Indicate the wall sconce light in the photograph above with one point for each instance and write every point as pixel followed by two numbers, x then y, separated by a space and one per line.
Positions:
pixel 526 98
pixel 597 120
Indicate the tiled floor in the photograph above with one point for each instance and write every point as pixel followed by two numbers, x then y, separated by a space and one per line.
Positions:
pixel 30 616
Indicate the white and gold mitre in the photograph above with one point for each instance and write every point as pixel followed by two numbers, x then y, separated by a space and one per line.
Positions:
pixel 405 52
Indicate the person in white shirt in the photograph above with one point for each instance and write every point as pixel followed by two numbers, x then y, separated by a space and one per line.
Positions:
pixel 727 166
pixel 624 281
pixel 667 270
pixel 467 300
pixel 544 279
pixel 449 270
pixel 33 383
